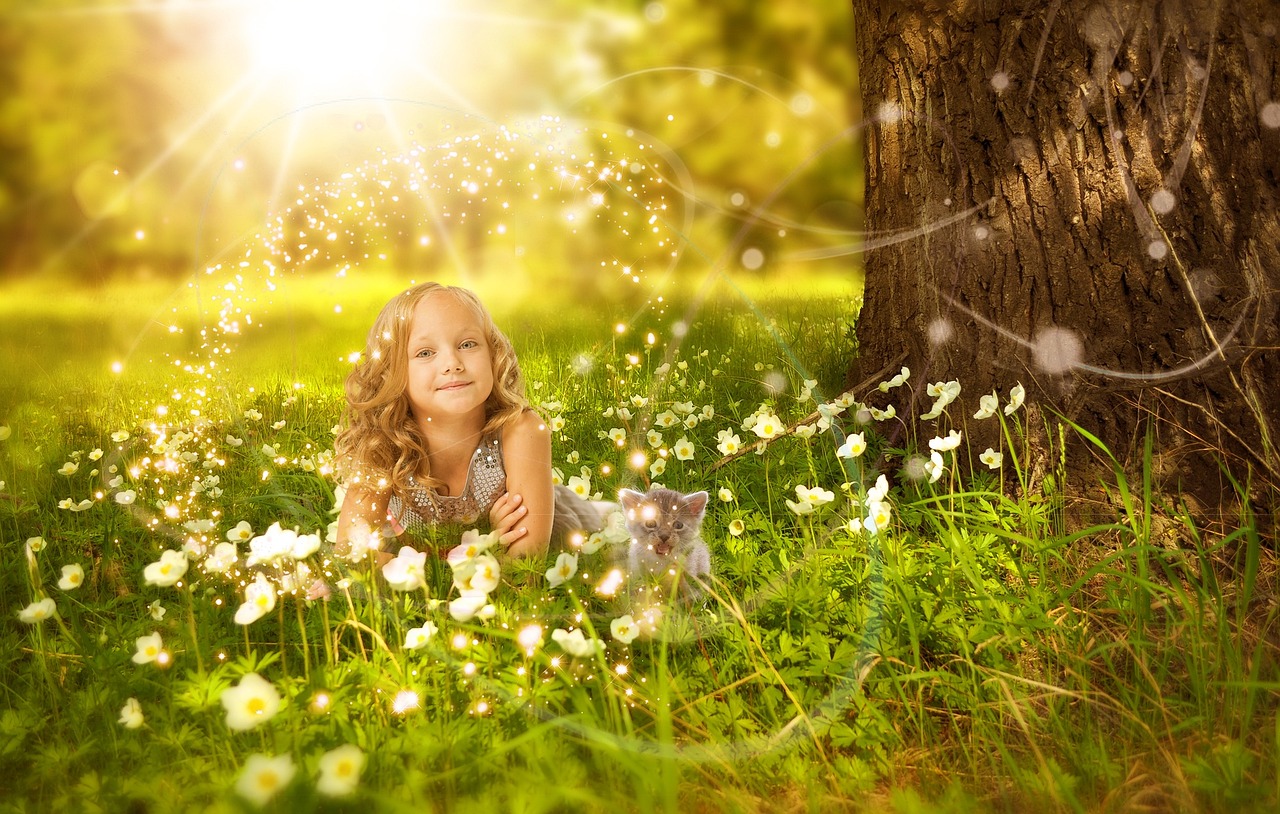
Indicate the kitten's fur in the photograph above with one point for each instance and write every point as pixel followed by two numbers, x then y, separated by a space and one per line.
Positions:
pixel 665 538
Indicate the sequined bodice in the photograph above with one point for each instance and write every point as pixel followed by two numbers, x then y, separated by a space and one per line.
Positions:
pixel 486 481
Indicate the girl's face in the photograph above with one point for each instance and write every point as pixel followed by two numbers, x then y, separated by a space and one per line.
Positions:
pixel 450 361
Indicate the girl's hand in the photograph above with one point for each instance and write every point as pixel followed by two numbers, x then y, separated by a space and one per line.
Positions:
pixel 505 517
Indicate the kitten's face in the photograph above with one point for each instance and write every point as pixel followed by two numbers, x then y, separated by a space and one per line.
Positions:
pixel 663 520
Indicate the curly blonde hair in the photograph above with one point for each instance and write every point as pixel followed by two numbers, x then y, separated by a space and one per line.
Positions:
pixel 380 442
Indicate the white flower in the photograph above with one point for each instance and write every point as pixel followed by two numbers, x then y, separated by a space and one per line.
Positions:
pixel 767 425
pixel 683 449
pixel 615 528
pixel 487 574
pixel 407 571
pixel 580 486
pixel 878 517
pixel 72 577
pixel 126 497
pixel 131 714
pixel 251 703
pixel 467 605
pixel 883 415
pixel 991 458
pixel 728 443
pixel 35 544
pixel 896 381
pixel 120 436
pixel 418 637
pixel 806 431
pixel 69 468
pixel 37 611
pixel 853 446
pixel 279 425
pixel 5 432
pixel 223 557
pixel 277 543
pixel 880 491
pixel 657 467
pixel 340 770
pixel 304 545
pixel 95 455
pixel 736 527
pixel 944 393
pixel 624 629
pixel 473 545
pixel 156 610
pixel 566 566
pixel 263 777
pixel 269 451
pixel 618 436
pixel 725 494
pixel 259 600
pixel 808 500
pixel 934 466
pixel 624 413
pixel 252 414
pixel 148 648
pixel 201 526
pixel 1016 396
pixel 946 444
pixel 654 438
pixel 665 419
pixel 232 441
pixel 240 532
pixel 556 424
pixel 575 643
pixel 639 401
pixel 987 406
pixel 594 542
pixel 168 570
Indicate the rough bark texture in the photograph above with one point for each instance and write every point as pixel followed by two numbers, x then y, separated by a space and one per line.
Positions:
pixel 1083 197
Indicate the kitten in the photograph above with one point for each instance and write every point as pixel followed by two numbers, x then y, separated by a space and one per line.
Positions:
pixel 665 540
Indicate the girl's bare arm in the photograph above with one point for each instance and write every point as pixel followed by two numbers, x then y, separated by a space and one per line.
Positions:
pixel 364 512
pixel 526 454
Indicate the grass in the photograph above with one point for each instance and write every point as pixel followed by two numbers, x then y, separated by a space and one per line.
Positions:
pixel 980 653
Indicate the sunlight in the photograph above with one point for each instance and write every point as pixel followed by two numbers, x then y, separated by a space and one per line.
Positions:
pixel 319 42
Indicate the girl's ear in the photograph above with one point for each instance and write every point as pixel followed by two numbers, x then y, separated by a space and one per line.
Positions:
pixel 630 500
pixel 696 503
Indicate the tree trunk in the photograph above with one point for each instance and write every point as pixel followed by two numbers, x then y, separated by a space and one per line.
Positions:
pixel 1083 197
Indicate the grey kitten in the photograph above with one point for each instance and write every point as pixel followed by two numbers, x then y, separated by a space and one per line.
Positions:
pixel 665 539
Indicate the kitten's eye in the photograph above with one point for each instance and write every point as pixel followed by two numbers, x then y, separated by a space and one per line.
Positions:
pixel 651 524
pixel 678 525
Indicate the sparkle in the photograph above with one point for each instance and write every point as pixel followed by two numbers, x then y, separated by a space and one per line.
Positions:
pixel 405 701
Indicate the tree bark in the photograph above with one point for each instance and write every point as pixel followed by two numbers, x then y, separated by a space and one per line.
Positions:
pixel 1083 197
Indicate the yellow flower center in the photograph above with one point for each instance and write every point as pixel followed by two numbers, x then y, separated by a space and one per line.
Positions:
pixel 165 568
pixel 268 780
pixel 257 706
pixel 152 650
pixel 345 769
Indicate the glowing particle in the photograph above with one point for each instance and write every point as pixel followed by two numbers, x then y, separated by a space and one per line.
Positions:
pixel 752 259
pixel 1157 249
pixel 459 641
pixel 620 328
pixel 655 12
pixel 1125 78
pixel 116 367
pixel 1057 350
pixel 737 199
pixel 981 232
pixel 1000 81
pixel 405 701
pixel 639 460
pixel 772 139
pixel 889 113
pixel 801 104
pixel 940 331
pixel 1270 115
pixel 1162 201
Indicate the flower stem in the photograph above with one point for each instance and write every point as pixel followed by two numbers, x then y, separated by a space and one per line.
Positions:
pixel 306 649
pixel 191 628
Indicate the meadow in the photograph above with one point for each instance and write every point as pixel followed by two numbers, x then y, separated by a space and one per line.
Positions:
pixel 952 638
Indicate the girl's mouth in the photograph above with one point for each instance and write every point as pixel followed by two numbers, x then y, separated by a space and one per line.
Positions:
pixel 455 385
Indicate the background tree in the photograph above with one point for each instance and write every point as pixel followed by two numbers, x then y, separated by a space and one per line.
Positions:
pixel 1084 197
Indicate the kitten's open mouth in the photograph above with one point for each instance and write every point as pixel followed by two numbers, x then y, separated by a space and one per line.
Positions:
pixel 663 549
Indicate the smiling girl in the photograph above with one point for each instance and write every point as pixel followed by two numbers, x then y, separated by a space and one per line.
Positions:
pixel 438 430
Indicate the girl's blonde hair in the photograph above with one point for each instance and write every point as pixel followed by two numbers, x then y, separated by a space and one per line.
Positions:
pixel 380 443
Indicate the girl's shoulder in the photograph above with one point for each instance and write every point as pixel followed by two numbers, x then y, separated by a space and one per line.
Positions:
pixel 527 428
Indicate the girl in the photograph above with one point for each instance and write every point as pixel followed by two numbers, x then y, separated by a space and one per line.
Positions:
pixel 438 430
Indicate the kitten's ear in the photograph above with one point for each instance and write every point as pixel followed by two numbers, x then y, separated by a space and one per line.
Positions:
pixel 630 500
pixel 696 503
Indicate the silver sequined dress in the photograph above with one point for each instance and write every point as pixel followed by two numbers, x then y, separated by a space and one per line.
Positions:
pixel 486 482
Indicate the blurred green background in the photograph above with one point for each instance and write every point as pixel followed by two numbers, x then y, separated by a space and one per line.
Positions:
pixel 150 138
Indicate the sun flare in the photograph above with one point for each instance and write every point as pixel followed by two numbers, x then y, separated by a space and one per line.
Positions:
pixel 322 42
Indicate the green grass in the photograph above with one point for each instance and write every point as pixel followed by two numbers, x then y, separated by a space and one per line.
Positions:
pixel 983 653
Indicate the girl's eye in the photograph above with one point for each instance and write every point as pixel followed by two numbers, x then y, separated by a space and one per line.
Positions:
pixel 425 354
pixel 470 343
